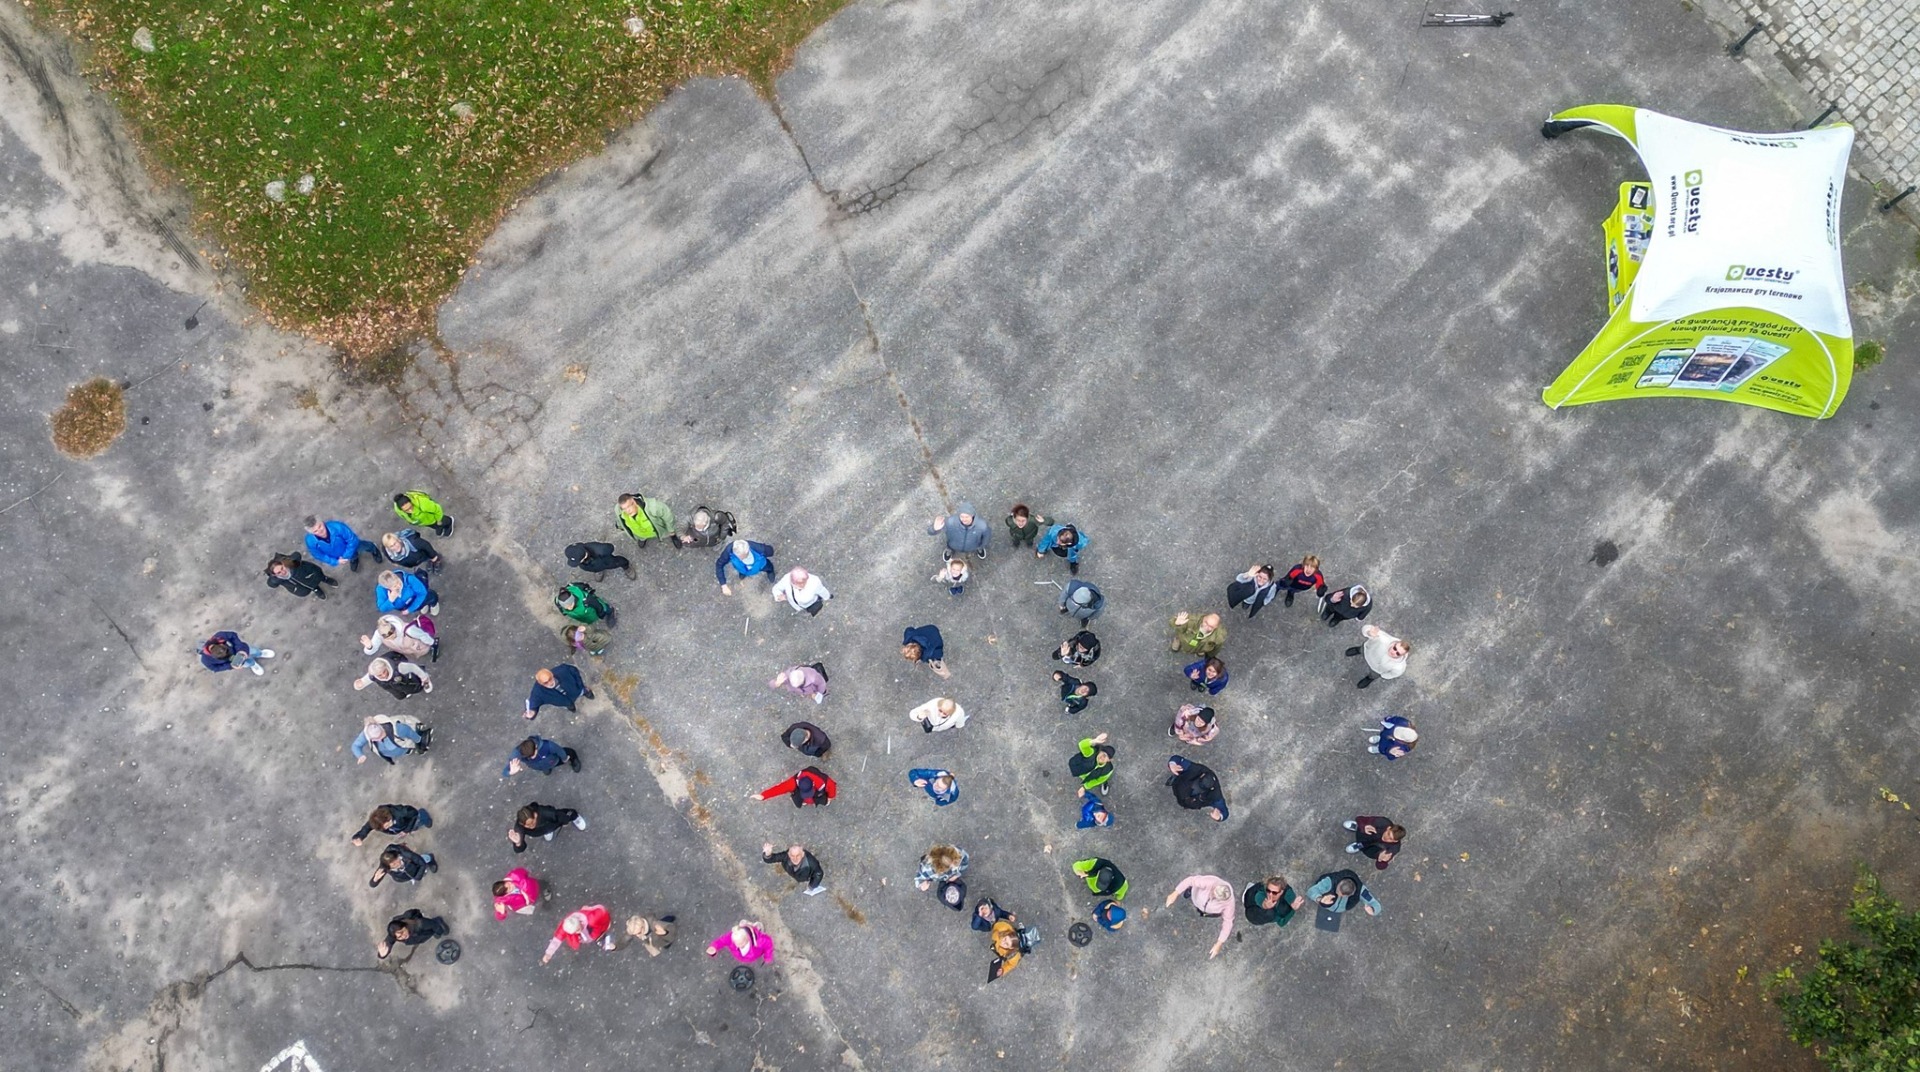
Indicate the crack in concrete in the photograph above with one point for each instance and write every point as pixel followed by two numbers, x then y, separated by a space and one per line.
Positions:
pixel 866 311
pixel 137 657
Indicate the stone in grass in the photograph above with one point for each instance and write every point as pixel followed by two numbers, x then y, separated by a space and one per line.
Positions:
pixel 143 39
pixel 635 26
pixel 277 190
pixel 462 111
pixel 305 185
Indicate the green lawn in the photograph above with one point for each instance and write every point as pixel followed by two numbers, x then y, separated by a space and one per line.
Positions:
pixel 418 121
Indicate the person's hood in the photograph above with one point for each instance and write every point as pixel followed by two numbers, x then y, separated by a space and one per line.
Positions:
pixel 967 508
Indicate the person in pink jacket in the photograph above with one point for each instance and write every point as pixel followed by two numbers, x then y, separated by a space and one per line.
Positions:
pixel 593 923
pixel 518 893
pixel 1211 896
pixel 746 941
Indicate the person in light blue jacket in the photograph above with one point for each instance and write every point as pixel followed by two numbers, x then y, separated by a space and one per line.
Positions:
pixel 1067 541
pixel 404 593
pixel 746 558
pixel 939 784
pixel 334 543
pixel 390 737
pixel 1341 891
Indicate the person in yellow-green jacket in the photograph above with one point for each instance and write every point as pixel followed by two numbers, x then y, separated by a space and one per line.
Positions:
pixel 1094 765
pixel 645 520
pixel 418 508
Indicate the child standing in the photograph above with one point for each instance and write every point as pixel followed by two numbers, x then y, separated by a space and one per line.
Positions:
pixel 954 575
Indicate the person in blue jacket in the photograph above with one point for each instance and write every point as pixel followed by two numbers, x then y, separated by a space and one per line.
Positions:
pixel 225 650
pixel 1093 811
pixel 923 644
pixel 540 754
pixel 1067 541
pixel 390 737
pixel 746 558
pixel 1208 674
pixel 561 686
pixel 334 543
pixel 939 784
pixel 1342 891
pixel 404 593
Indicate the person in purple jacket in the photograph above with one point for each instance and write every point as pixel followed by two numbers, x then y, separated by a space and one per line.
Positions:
pixel 334 543
pixel 225 650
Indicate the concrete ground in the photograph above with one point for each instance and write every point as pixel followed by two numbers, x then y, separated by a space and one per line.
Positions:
pixel 1221 281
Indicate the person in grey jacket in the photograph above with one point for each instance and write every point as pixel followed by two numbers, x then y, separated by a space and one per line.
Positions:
pixel 1082 600
pixel 965 531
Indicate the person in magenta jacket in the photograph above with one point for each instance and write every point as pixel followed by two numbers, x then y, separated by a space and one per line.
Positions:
pixel 746 941
pixel 1211 896
pixel 516 894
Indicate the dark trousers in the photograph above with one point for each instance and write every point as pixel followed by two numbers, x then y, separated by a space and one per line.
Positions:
pixel 600 558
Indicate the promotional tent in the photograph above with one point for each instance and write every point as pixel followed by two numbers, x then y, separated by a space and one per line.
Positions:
pixel 1723 268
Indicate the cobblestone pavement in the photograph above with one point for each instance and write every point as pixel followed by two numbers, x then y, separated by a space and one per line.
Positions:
pixel 1863 55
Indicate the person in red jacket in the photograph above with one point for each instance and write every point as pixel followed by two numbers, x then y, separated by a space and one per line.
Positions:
pixel 593 923
pixel 809 788
pixel 1304 576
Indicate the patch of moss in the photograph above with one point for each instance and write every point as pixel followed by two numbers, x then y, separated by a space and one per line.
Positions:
pixel 94 416
pixel 1868 354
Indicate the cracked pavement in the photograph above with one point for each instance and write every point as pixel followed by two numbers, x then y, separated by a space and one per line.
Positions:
pixel 1220 280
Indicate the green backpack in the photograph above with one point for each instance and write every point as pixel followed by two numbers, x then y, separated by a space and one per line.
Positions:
pixel 578 602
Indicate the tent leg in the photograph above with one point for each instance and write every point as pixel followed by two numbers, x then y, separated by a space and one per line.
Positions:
pixel 1553 128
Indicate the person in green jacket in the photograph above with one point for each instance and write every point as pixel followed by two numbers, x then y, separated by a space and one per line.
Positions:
pixel 645 520
pixel 1103 877
pixel 1094 765
pixel 1271 900
pixel 418 508
pixel 1198 634
pixel 579 602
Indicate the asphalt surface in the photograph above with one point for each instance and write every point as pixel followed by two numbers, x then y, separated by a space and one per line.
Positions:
pixel 1221 282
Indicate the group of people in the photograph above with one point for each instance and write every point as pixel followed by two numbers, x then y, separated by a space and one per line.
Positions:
pixel 406 636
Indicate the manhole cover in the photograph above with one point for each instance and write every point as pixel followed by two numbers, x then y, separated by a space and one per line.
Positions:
pixel 447 951
pixel 740 978
pixel 1080 934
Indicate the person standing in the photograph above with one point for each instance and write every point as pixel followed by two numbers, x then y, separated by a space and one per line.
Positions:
pixel 939 714
pixel 809 681
pixel 405 594
pixel 297 575
pixel 1209 675
pixel 746 941
pixel 540 754
pixel 597 559
pixel 409 640
pixel 1386 655
pixel 1103 876
pixel 1093 811
pixel 1082 600
pixel 1341 891
pixel 1253 590
pixel 655 934
pixel 334 543
pixel 1080 650
pixel 410 550
pixel 1270 901
pixel 412 927
pixel 1345 604
pixel 800 865
pixel 390 737
pixel 955 575
pixel 939 784
pixel 419 508
pixel 1304 576
pixel 706 528
pixel 1075 694
pixel 541 821
pixel 516 894
pixel 561 686
pixel 1211 896
pixel 807 739
pixel 1093 766
pixel 647 519
pixel 1194 725
pixel 1196 787
pixel 402 864
pixel 1396 738
pixel 225 650
pixel 577 601
pixel 394 821
pixel 987 912
pixel 1023 525
pixel 966 532
pixel 746 558
pixel 809 788
pixel 400 679
pixel 1376 837
pixel 802 591
pixel 1197 634
pixel 941 865
pixel 1110 916
pixel 1007 949
pixel 591 924
pixel 922 644
pixel 581 639
pixel 1065 541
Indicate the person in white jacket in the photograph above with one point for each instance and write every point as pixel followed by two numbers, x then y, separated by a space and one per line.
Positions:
pixel 802 591
pixel 1386 655
pixel 939 714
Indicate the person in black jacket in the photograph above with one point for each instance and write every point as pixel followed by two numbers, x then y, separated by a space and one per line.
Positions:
pixel 410 550
pixel 1196 787
pixel 1082 649
pixel 799 864
pixel 597 559
pixel 1253 589
pixel 402 864
pixel 411 928
pixel 400 679
pixel 541 821
pixel 807 739
pixel 1345 604
pixel 393 820
pixel 297 575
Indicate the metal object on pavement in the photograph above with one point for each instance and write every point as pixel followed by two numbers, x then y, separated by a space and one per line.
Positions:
pixel 1449 19
pixel 740 978
pixel 447 951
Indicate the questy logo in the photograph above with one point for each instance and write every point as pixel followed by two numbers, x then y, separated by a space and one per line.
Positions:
pixel 1693 181
pixel 1738 272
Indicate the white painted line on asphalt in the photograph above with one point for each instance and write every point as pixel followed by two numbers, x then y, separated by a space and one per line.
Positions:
pixel 294 1058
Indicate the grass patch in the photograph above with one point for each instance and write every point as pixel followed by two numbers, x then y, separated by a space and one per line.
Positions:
pixel 1868 354
pixel 398 131
pixel 94 416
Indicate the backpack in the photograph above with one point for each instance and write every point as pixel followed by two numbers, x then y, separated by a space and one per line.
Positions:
pixel 587 607
pixel 1200 791
pixel 1029 938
